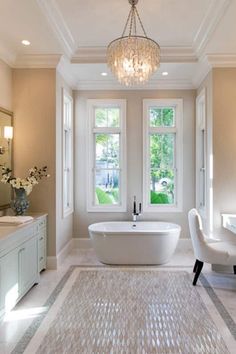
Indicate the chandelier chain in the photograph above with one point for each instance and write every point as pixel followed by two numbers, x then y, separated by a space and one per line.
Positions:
pixel 131 20
pixel 140 21
pixel 126 25
pixel 135 26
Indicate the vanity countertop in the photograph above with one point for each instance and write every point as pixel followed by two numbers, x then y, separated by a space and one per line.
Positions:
pixel 8 230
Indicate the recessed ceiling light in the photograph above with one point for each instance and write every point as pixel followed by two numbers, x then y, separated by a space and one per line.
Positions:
pixel 165 73
pixel 104 74
pixel 25 42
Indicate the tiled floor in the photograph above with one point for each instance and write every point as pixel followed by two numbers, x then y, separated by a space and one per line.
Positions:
pixel 14 325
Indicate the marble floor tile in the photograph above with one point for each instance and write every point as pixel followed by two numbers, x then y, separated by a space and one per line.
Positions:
pixel 14 326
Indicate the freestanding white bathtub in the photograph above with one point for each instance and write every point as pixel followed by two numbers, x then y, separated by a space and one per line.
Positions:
pixel 142 242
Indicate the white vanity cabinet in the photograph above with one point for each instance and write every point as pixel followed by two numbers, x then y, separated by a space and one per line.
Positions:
pixel 9 285
pixel 20 260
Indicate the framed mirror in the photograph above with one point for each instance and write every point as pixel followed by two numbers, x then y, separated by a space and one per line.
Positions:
pixel 6 156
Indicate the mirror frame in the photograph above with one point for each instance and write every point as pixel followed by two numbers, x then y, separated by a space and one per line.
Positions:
pixel 9 113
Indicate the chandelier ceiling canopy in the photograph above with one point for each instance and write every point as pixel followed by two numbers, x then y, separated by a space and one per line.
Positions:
pixel 133 58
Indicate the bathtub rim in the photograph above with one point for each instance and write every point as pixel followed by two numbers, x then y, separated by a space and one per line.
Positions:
pixel 174 229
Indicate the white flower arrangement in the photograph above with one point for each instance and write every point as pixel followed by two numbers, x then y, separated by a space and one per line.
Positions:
pixel 35 175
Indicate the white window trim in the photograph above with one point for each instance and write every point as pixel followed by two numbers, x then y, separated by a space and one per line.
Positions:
pixel 178 104
pixel 69 209
pixel 91 103
pixel 201 126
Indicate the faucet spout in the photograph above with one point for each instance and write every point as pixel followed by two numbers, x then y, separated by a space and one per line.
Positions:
pixel 136 213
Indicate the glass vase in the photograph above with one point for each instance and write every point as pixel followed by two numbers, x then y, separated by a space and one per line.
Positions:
pixel 20 203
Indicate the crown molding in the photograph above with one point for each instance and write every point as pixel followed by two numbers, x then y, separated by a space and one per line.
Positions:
pixel 91 55
pixel 203 69
pixel 154 84
pixel 37 61
pixel 208 25
pixel 58 24
pixel 64 69
pixel 222 60
pixel 178 55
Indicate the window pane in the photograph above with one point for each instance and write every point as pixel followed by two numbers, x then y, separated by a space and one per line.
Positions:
pixel 162 184
pixel 107 187
pixel 168 117
pixel 107 150
pixel 162 150
pixel 155 115
pixel 162 117
pixel 107 117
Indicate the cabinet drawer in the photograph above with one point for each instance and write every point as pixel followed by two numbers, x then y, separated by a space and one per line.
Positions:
pixel 41 256
pixel 42 264
pixel 42 224
pixel 42 238
pixel 41 252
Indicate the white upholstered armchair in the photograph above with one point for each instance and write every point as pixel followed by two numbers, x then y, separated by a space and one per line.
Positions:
pixel 217 252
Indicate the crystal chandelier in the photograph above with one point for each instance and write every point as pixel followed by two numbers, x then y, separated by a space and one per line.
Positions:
pixel 133 58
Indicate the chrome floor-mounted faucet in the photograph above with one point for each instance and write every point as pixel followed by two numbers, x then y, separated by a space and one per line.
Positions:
pixel 136 213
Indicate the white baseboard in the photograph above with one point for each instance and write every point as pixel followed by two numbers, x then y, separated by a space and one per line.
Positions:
pixel 64 252
pixel 56 261
pixel 184 244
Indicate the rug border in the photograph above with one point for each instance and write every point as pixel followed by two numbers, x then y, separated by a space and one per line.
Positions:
pixel 33 327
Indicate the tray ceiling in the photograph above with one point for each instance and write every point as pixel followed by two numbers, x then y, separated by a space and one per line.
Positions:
pixel 188 31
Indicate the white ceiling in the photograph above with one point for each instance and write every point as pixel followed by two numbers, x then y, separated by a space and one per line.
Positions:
pixel 96 23
pixel 194 35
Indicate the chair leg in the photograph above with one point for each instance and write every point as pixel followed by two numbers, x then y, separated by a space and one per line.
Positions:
pixel 234 269
pixel 195 266
pixel 199 266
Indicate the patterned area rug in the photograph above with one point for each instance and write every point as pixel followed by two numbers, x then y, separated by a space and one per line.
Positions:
pixel 114 311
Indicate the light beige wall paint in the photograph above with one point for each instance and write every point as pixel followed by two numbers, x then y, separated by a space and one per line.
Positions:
pixel 5 86
pixel 224 145
pixel 134 157
pixel 64 226
pixel 34 106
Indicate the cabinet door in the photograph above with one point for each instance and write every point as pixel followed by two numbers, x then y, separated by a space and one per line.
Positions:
pixel 28 264
pixel 9 280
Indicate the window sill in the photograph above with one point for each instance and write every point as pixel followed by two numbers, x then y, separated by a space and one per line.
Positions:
pixel 162 209
pixel 103 209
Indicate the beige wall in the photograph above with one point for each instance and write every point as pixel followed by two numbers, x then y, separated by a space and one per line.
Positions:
pixel 224 145
pixel 5 86
pixel 64 226
pixel 34 106
pixel 134 157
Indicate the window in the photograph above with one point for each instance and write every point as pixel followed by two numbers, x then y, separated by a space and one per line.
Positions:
pixel 106 155
pixel 201 153
pixel 162 154
pixel 67 154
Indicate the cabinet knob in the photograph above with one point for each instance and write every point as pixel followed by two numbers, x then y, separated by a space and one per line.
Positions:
pixel 41 258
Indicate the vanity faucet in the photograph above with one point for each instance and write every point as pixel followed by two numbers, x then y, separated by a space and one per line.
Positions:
pixel 136 213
